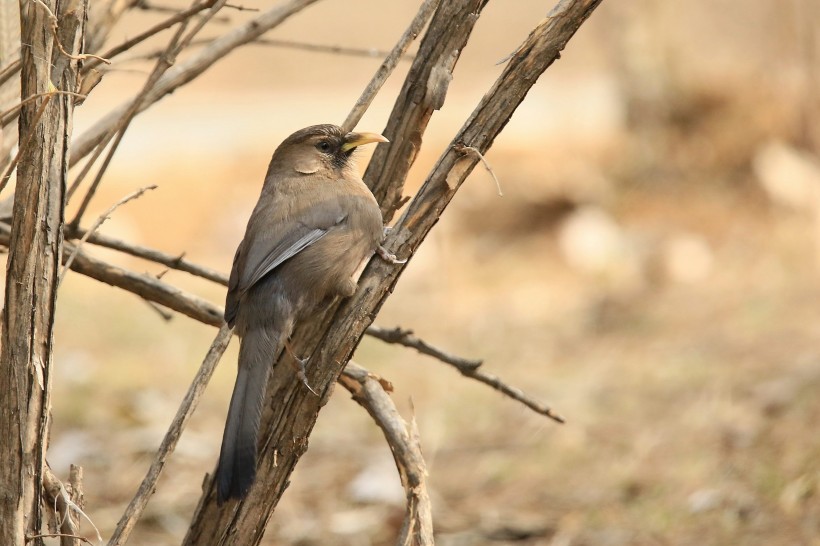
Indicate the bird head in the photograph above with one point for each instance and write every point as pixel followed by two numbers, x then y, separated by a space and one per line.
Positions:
pixel 319 148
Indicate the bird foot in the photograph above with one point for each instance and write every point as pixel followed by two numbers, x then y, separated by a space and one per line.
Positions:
pixel 303 377
pixel 388 257
pixel 301 367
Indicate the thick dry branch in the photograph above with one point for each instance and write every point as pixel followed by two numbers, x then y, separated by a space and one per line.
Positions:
pixel 286 429
pixel 389 64
pixel 149 288
pixel 34 260
pixel 186 71
pixel 174 262
pixel 369 392
pixel 423 92
pixel 145 286
pixel 186 409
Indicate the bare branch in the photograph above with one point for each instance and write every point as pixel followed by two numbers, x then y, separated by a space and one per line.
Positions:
pixel 144 286
pixel 177 262
pixel 184 72
pixel 389 64
pixel 189 404
pixel 400 336
pixel 12 113
pixel 423 92
pixel 11 70
pixel 96 225
pixel 159 27
pixel 118 131
pixel 468 368
pixel 369 392
pixel 333 49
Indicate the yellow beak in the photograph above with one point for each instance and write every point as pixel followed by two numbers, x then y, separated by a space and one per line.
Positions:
pixel 354 140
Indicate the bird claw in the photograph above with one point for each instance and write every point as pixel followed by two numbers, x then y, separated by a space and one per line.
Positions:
pixel 388 256
pixel 303 377
pixel 301 364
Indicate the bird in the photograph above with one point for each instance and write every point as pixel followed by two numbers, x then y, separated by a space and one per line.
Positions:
pixel 312 230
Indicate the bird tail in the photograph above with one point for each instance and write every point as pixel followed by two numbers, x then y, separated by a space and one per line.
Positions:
pixel 237 458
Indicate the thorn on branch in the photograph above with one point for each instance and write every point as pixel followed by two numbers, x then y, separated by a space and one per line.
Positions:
pixel 470 150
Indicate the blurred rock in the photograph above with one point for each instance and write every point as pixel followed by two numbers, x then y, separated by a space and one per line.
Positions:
pixel 790 177
pixel 797 492
pixel 593 243
pixel 378 482
pixel 705 500
pixel 687 258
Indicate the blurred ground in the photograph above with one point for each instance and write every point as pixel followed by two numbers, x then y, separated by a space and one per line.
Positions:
pixel 651 271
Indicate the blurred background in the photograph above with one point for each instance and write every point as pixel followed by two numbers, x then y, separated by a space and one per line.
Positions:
pixel 651 272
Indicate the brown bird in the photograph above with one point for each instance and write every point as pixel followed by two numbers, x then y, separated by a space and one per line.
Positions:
pixel 313 227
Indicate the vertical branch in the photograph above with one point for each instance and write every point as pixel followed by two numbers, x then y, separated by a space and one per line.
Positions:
pixel 33 262
pixel 423 92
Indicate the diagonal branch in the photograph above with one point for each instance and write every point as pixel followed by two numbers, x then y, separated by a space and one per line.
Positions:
pixel 186 409
pixel 467 368
pixel 389 64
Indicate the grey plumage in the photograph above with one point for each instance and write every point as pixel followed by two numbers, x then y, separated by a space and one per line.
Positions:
pixel 313 226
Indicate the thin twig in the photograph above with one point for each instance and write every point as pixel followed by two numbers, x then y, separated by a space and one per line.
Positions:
pixel 188 70
pixel 29 538
pixel 474 151
pixel 287 44
pixel 512 392
pixel 368 390
pixel 467 368
pixel 322 48
pixel 13 113
pixel 146 6
pixel 389 64
pixel 186 408
pixel 240 8
pixel 54 23
pixel 401 336
pixel 8 72
pixel 99 222
pixel 159 27
pixel 63 504
pixel 118 131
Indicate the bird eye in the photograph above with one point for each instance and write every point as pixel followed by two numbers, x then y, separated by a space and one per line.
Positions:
pixel 323 146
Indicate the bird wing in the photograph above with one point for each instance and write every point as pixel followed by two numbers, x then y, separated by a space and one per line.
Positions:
pixel 270 240
pixel 293 243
